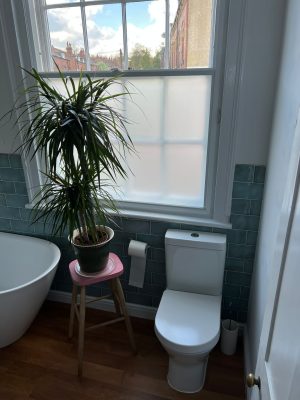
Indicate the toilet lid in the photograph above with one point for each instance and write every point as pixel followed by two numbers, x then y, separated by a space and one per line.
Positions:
pixel 188 322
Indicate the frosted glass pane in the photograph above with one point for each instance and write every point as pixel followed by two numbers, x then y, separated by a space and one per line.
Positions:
pixel 145 111
pixel 144 184
pixel 176 108
pixel 184 174
pixel 169 127
pixel 187 105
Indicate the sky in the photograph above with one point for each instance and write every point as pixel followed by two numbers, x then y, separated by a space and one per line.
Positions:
pixel 145 25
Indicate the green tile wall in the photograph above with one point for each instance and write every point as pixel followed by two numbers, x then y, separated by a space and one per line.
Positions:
pixel 241 239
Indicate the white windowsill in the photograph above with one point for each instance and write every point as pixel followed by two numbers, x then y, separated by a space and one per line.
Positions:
pixel 164 217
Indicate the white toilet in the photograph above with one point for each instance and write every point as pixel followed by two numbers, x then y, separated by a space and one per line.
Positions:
pixel 187 322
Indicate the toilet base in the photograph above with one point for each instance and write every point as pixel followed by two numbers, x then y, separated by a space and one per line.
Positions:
pixel 187 374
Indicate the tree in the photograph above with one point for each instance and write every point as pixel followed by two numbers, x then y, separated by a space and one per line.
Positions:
pixel 102 66
pixel 141 58
pixel 158 58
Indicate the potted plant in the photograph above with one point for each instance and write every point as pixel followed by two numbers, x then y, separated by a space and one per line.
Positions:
pixel 82 135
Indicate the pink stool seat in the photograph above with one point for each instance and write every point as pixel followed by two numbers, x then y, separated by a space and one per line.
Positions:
pixel 113 269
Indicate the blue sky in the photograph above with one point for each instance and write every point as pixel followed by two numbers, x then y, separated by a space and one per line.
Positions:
pixel 111 15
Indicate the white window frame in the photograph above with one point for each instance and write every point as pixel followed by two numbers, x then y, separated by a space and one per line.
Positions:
pixel 220 156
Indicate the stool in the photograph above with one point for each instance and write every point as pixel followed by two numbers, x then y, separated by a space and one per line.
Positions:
pixel 111 273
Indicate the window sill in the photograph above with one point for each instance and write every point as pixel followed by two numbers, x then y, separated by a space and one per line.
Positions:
pixel 164 217
pixel 156 216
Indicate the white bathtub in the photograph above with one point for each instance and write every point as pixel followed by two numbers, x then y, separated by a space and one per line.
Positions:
pixel 27 268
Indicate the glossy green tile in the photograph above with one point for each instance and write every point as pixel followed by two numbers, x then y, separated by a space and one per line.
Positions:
pixel 9 212
pixel 245 222
pixel 256 191
pixel 16 200
pixel 240 206
pixel 234 264
pixel 238 278
pixel 251 237
pixel 255 207
pixel 7 187
pixel 231 291
pixel 136 226
pixel 138 298
pixel 243 173
pixel 241 251
pixel 15 161
pixel 4 161
pixel 5 224
pixel 240 190
pixel 20 188
pixel 236 236
pixel 12 175
pixel 160 228
pixel 259 174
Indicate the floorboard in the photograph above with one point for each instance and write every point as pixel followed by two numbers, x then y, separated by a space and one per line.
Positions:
pixel 43 364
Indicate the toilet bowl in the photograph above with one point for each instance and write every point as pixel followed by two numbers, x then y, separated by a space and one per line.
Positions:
pixel 188 327
pixel 187 322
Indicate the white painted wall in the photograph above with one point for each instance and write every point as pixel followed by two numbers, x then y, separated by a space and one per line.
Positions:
pixel 258 76
pixel 283 132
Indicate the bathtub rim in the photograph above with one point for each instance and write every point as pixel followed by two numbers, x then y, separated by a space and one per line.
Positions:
pixel 53 265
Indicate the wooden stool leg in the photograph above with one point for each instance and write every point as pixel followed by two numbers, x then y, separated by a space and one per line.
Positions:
pixel 119 292
pixel 72 311
pixel 115 298
pixel 81 330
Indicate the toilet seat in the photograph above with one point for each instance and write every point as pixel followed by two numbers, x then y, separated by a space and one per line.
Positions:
pixel 188 323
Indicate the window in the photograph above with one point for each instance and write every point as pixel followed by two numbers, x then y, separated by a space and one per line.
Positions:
pixel 172 52
pixel 125 34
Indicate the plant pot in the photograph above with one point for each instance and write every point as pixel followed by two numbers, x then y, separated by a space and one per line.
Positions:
pixel 229 336
pixel 92 258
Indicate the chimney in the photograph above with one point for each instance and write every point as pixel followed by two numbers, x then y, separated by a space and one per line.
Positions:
pixel 81 53
pixel 69 50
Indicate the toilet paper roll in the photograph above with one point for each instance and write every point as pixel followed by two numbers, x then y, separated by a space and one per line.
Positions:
pixel 138 253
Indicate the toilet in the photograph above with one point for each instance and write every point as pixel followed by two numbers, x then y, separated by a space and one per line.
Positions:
pixel 187 322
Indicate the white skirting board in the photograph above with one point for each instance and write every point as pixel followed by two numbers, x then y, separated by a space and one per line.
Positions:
pixel 135 310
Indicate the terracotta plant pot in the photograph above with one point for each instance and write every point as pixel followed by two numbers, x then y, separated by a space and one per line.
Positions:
pixel 92 258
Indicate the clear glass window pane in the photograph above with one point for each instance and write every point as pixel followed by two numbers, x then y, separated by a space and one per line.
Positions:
pixel 191 33
pixel 146 34
pixel 105 35
pixel 53 2
pixel 67 45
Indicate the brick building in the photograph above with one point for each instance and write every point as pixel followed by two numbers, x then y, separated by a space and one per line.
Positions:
pixel 70 60
pixel 191 34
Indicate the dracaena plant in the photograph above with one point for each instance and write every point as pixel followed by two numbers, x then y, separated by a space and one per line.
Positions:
pixel 82 136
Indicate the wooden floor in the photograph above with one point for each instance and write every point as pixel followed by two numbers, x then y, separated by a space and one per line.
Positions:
pixel 43 364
